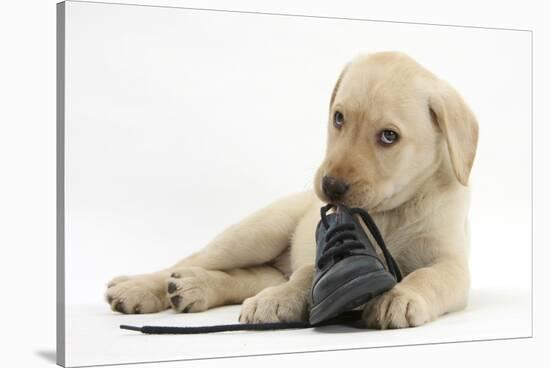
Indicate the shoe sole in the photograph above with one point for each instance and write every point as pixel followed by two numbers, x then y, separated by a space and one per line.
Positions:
pixel 351 295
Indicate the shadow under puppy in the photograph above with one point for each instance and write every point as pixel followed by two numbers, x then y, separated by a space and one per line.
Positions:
pixel 401 144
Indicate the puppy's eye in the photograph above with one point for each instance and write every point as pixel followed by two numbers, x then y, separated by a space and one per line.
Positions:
pixel 388 137
pixel 338 120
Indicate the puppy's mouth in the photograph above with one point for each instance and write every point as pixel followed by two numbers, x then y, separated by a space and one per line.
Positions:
pixel 361 200
pixel 367 200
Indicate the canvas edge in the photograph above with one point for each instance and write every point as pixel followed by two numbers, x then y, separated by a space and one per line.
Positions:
pixel 60 183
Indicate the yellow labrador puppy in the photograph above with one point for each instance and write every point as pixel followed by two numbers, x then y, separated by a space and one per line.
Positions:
pixel 401 144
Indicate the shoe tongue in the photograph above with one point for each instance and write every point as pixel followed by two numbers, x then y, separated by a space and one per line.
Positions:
pixel 340 216
pixel 344 216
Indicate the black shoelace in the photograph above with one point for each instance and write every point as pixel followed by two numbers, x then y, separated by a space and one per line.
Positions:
pixel 350 319
pixel 342 239
pixel 336 248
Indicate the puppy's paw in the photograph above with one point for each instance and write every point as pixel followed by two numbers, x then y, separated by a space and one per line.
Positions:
pixel 135 295
pixel 397 308
pixel 275 304
pixel 190 289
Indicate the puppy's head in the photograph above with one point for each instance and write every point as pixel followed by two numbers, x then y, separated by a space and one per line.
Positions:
pixel 392 126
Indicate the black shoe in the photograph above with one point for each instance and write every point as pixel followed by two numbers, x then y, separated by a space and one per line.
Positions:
pixel 348 271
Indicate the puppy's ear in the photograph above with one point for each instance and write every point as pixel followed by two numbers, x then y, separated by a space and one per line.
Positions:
pixel 337 85
pixel 459 126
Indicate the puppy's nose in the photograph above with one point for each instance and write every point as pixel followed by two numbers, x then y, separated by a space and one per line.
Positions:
pixel 334 188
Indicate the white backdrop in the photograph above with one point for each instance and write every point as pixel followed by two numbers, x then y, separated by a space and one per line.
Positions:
pixel 28 192
pixel 180 122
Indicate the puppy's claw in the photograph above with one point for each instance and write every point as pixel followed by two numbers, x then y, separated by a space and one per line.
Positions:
pixel 175 300
pixel 119 307
pixel 172 287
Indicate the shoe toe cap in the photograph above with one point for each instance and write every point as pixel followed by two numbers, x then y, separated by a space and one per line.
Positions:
pixel 341 273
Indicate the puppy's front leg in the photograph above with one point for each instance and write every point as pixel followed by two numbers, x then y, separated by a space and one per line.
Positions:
pixel 286 302
pixel 254 241
pixel 421 296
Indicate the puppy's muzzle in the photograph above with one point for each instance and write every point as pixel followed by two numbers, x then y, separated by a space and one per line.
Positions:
pixel 334 188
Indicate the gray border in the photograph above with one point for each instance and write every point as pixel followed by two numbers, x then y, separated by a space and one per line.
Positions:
pixel 61 179
pixel 304 352
pixel 532 194
pixel 300 15
pixel 60 183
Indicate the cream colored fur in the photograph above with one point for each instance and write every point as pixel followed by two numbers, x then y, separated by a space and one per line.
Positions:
pixel 415 190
